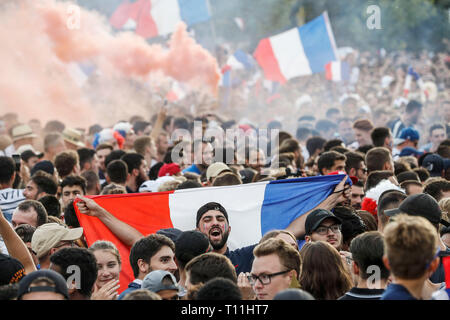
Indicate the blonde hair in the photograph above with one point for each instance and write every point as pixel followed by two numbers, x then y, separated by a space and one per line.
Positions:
pixel 405 235
pixel 107 246
pixel 289 257
pixel 444 204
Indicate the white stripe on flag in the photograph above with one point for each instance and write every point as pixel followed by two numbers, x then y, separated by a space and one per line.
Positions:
pixel 336 71
pixel 291 57
pixel 166 14
pixel 243 204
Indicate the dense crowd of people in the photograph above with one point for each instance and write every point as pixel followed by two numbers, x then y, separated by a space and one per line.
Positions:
pixel 384 236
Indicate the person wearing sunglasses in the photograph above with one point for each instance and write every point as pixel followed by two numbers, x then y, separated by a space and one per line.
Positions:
pixel 276 267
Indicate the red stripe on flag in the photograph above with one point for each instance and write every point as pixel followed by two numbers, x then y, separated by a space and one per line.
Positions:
pixel 328 72
pixel 146 26
pixel 446 263
pixel 121 15
pixel 266 58
pixel 146 212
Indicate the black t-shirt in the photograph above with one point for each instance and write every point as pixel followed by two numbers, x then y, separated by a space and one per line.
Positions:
pixel 242 258
pixel 363 294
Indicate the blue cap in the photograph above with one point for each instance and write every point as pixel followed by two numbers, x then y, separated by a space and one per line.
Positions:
pixel 407 134
pixel 435 164
pixel 410 151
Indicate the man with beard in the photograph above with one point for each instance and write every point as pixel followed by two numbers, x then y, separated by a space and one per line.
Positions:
pixel 212 220
pixel 137 169
pixel 357 195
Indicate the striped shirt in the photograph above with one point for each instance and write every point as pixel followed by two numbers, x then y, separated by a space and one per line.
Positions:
pixel 9 200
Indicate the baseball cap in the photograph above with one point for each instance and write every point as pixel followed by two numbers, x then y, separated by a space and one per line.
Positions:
pixel 293 294
pixel 190 244
pixel 410 151
pixel 315 218
pixel 154 281
pixel 11 270
pixel 215 169
pixel 169 169
pixel 434 163
pixel 407 134
pixel 172 233
pixel 422 205
pixel 27 151
pixel 60 283
pixel 48 235
pixel 211 206
pixel 43 165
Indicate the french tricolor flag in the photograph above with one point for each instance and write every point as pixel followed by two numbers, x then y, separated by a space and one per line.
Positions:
pixel 298 52
pixel 337 71
pixel 151 18
pixel 253 209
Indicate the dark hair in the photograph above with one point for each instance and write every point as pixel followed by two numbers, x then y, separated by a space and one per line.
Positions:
pixel 145 248
pixel 376 158
pixel 70 217
pixel 369 220
pixel 435 188
pixel 302 133
pixel 380 134
pixel 51 205
pixel 181 123
pixel 436 126
pixel 367 250
pixel 227 179
pixel 185 252
pixel 323 272
pixel 422 173
pixel 26 205
pixel 363 124
pixel 340 149
pixel 331 111
pixel 376 177
pixel 388 198
pixel 189 184
pixel 352 224
pixel 314 143
pixel 209 266
pixel 85 155
pixel 8 168
pixel 74 180
pixel 133 160
pixel 325 125
pixel 400 167
pixel 407 175
pixel 289 145
pixel 353 160
pixel 114 155
pixel 65 162
pixel 413 105
pixel 327 159
pixel 365 149
pixel 140 126
pixel 92 179
pixel 117 171
pixel 44 182
pixel 219 289
pixel 9 291
pixel 84 260
pixel 25 232
pixel 332 143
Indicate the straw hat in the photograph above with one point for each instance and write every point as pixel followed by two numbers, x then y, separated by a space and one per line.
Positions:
pixel 73 136
pixel 22 131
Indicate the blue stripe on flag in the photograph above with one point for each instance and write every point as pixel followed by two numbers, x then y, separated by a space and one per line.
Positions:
pixel 194 11
pixel 285 200
pixel 317 44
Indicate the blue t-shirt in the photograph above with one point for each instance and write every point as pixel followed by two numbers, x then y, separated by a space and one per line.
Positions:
pixel 131 287
pixel 242 258
pixel 396 292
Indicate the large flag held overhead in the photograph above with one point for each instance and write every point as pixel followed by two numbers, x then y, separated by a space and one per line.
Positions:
pixel 151 18
pixel 253 209
pixel 298 52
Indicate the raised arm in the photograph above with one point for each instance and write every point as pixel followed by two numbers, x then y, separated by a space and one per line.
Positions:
pixel 126 233
pixel 16 247
pixel 159 122
pixel 340 194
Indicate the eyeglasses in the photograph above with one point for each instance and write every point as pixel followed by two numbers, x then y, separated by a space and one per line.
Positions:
pixel 265 279
pixel 66 244
pixel 364 170
pixel 335 228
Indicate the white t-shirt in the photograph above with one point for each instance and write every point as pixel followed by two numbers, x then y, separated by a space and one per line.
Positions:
pixel 9 200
